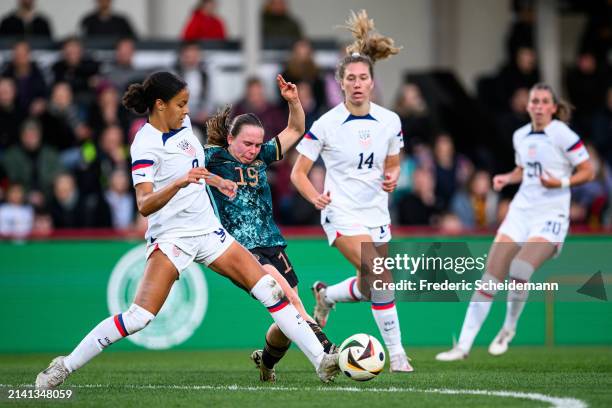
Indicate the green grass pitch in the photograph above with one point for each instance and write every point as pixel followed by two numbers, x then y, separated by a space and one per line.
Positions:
pixel 524 377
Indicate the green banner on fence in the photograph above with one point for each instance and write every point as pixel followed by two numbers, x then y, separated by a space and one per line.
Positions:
pixel 52 293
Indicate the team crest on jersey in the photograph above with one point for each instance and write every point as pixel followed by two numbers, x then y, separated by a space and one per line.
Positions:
pixel 257 163
pixel 532 151
pixel 364 138
pixel 185 146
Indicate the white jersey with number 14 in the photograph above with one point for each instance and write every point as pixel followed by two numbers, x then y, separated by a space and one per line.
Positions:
pixel 354 149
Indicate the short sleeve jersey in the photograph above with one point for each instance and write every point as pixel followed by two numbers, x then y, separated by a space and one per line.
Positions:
pixel 161 158
pixel 248 217
pixel 354 149
pixel 555 150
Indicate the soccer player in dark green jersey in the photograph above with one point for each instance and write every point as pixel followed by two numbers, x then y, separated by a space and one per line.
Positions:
pixel 236 151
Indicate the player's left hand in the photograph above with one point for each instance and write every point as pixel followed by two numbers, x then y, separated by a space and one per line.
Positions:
pixel 228 187
pixel 390 182
pixel 549 181
pixel 288 90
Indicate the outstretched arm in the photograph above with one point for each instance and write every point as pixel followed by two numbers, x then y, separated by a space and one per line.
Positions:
pixel 296 123
pixel 227 187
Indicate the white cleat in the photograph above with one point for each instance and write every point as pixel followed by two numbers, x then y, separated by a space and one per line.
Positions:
pixel 265 374
pixel 400 364
pixel 329 368
pixel 499 345
pixel 322 308
pixel 53 376
pixel 454 354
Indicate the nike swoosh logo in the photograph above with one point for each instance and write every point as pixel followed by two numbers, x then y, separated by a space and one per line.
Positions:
pixel 139 174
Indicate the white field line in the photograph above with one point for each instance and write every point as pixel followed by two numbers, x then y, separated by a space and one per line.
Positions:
pixel 556 402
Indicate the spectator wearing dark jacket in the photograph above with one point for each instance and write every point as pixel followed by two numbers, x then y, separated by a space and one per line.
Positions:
pixel 77 69
pixel 10 117
pixel 25 22
pixel 32 164
pixel 31 85
pixel 277 23
pixel 102 22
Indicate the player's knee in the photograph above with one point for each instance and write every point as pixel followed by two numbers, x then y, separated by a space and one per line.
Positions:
pixel 521 270
pixel 136 318
pixel 268 291
pixel 382 296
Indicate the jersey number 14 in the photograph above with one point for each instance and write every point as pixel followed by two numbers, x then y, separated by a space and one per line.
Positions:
pixel 369 161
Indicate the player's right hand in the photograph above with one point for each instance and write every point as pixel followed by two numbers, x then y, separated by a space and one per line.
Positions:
pixel 500 181
pixel 194 176
pixel 322 200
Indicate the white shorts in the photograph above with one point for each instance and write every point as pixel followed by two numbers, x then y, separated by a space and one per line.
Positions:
pixel 521 224
pixel 204 249
pixel 378 234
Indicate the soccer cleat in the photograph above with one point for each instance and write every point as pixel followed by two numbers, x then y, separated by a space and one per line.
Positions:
pixel 322 308
pixel 265 374
pixel 453 354
pixel 499 345
pixel 400 364
pixel 53 376
pixel 329 368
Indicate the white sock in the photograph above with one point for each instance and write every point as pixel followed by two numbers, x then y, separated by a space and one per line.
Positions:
pixel 477 312
pixel 288 319
pixel 345 291
pixel 385 315
pixel 107 332
pixel 520 271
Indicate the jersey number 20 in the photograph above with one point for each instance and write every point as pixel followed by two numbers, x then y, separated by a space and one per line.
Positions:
pixel 369 161
pixel 534 169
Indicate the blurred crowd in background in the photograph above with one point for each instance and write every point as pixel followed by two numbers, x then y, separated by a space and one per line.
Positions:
pixel 64 136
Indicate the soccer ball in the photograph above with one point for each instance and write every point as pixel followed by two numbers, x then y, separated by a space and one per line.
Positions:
pixel 362 357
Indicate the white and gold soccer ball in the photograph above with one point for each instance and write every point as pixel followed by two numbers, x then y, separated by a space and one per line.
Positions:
pixel 362 357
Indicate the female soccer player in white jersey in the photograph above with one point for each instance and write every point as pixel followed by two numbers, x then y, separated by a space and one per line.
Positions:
pixel 359 143
pixel 168 173
pixel 547 152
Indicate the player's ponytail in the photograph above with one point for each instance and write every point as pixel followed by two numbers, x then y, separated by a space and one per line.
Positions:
pixel 369 46
pixel 220 126
pixel 140 98
pixel 217 127
pixel 564 108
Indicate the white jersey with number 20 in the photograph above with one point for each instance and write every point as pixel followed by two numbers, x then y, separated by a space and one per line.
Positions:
pixel 555 150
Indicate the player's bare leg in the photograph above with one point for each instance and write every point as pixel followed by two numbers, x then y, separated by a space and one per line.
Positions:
pixel 531 256
pixel 348 290
pixel 501 253
pixel 159 276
